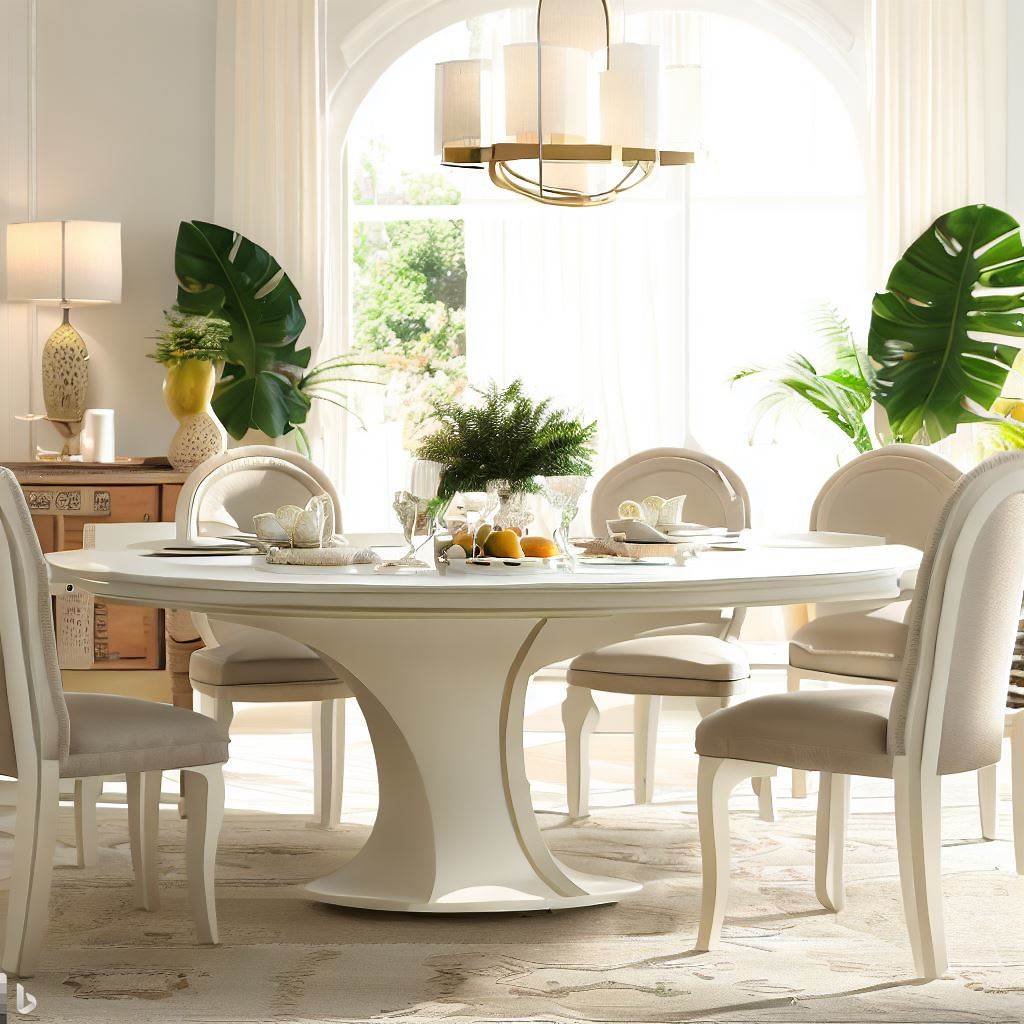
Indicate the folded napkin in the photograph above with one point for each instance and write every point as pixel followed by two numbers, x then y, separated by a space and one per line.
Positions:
pixel 340 554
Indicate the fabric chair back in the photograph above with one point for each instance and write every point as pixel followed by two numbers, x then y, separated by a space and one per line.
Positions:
pixel 949 704
pixel 895 492
pixel 34 724
pixel 225 492
pixel 715 495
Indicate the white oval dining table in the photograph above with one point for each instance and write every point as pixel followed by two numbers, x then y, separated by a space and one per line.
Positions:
pixel 440 666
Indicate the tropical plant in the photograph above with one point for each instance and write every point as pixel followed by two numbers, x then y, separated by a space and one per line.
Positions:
pixel 267 383
pixel 187 337
pixel 842 393
pixel 506 437
pixel 935 332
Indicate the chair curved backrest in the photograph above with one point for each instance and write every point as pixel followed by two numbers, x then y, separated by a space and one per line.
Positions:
pixel 225 492
pixel 34 723
pixel 949 703
pixel 895 492
pixel 715 495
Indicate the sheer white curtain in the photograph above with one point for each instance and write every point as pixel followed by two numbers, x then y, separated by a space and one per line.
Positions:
pixel 588 306
pixel 937 115
pixel 585 306
pixel 270 130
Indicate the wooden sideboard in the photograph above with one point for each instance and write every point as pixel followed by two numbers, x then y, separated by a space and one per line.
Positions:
pixel 63 499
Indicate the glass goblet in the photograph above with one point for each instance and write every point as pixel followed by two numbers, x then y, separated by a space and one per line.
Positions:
pixel 563 494
pixel 412 514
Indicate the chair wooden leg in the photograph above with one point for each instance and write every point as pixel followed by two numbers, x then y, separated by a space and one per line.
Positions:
pixel 1017 773
pixel 918 841
pixel 646 711
pixel 205 815
pixel 87 794
pixel 798 778
pixel 223 712
pixel 716 779
pixel 328 762
pixel 579 718
pixel 208 705
pixel 765 802
pixel 143 831
pixel 830 839
pixel 35 838
pixel 988 793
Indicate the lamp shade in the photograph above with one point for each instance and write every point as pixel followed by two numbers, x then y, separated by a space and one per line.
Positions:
pixel 682 128
pixel 566 84
pixel 629 96
pixel 77 262
pixel 462 103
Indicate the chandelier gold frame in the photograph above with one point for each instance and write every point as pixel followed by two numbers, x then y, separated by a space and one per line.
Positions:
pixel 638 163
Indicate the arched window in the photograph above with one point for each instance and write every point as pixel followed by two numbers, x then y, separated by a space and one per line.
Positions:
pixel 637 313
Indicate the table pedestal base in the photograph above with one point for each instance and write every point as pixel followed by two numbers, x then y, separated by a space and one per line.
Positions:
pixel 339 889
pixel 443 700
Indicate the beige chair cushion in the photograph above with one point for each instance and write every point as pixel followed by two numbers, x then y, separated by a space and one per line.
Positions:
pixel 713 628
pixel 671 665
pixel 113 735
pixel 865 644
pixel 236 663
pixel 842 731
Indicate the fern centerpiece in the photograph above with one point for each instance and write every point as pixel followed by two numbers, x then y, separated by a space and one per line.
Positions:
pixel 508 437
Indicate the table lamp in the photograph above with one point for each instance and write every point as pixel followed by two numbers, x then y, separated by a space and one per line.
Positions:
pixel 64 263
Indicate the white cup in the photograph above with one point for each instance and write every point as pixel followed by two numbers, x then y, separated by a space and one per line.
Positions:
pixel 97 443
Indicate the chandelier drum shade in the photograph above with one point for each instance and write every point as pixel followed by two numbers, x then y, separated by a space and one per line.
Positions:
pixel 584 119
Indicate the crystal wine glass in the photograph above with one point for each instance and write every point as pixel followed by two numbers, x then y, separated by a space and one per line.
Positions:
pixel 412 511
pixel 563 494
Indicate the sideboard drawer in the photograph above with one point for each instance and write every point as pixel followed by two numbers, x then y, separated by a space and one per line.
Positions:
pixel 64 499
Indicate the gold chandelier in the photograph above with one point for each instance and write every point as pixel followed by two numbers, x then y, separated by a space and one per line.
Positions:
pixel 583 116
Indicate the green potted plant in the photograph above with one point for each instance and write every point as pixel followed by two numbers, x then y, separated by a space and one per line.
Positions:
pixel 936 353
pixel 267 383
pixel 190 347
pixel 504 442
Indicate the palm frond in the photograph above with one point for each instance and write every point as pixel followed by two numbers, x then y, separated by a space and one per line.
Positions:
pixel 842 395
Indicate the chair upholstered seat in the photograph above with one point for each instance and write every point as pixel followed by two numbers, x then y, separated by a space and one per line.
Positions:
pixel 239 663
pixel 839 731
pixel 865 644
pixel 117 735
pixel 670 665
pixel 715 627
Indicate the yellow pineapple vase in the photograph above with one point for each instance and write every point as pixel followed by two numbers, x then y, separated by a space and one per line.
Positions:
pixel 188 390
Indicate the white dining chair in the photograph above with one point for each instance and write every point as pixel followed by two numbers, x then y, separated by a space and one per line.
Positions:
pixel 47 735
pixel 896 492
pixel 715 496
pixel 88 792
pixel 241 663
pixel 945 715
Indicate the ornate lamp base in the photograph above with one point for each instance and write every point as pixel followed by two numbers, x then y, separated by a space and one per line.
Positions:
pixel 65 375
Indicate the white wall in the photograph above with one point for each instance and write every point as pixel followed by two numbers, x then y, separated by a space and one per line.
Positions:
pixel 1015 111
pixel 111 102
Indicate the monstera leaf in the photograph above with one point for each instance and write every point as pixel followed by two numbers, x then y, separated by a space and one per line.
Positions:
pixel 938 333
pixel 222 272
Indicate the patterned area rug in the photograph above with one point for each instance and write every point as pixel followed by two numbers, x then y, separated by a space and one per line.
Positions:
pixel 784 959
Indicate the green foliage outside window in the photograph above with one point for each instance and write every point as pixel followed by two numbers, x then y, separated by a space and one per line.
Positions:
pixel 410 294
